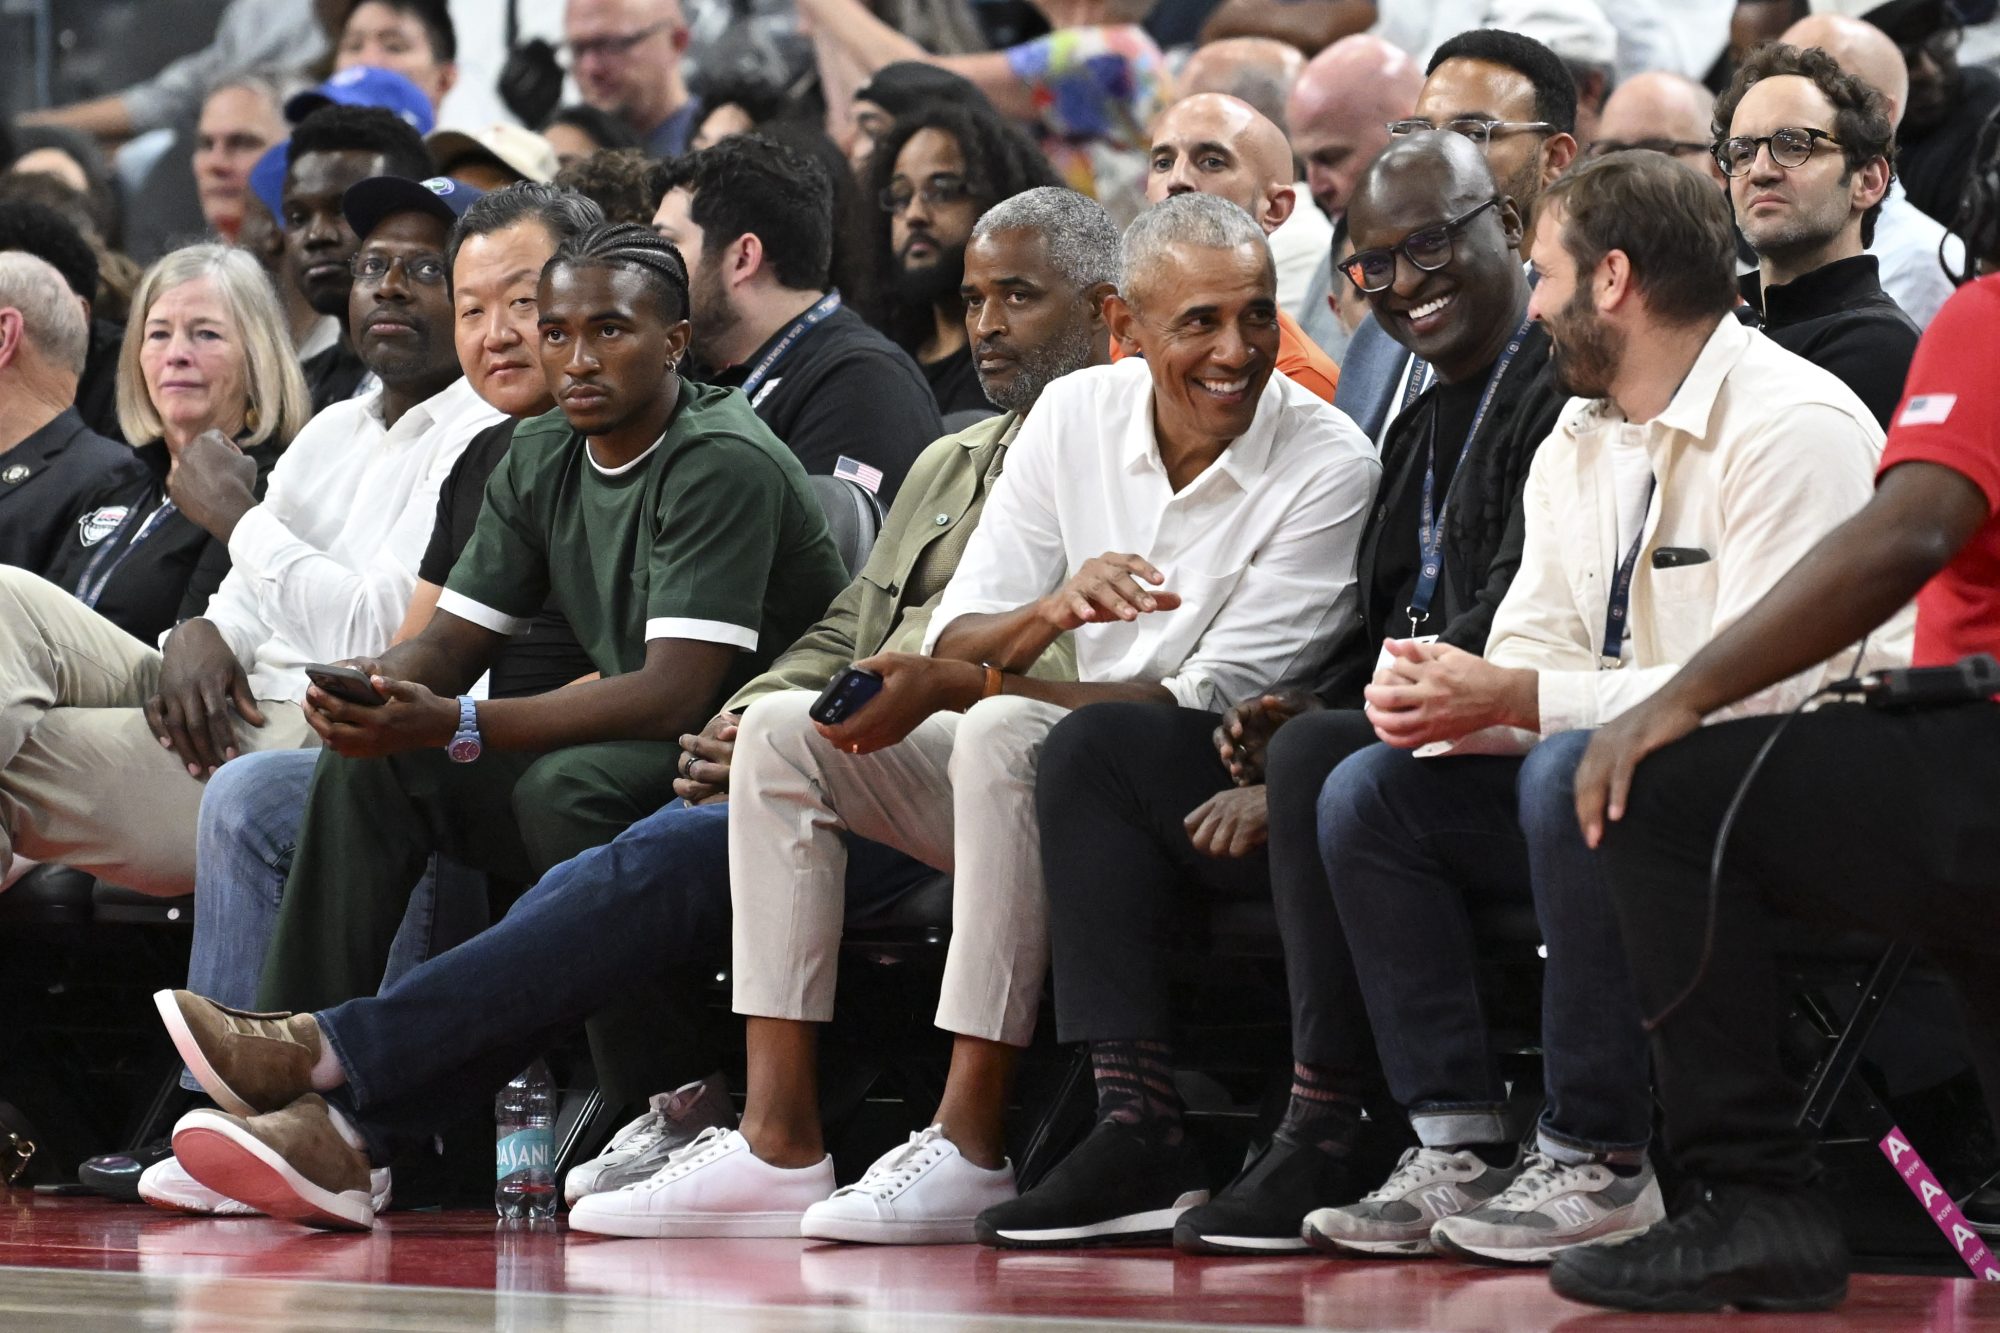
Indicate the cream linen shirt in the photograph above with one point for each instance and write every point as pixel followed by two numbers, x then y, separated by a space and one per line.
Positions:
pixel 1759 455
pixel 1260 547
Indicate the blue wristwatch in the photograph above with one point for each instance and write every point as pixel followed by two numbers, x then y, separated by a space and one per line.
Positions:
pixel 465 747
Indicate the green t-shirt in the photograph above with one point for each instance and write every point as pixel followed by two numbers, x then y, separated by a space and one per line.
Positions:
pixel 714 534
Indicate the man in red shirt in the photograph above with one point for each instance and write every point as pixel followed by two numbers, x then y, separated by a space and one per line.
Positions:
pixel 1867 819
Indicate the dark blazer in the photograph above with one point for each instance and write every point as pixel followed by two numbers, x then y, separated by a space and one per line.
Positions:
pixel 1369 373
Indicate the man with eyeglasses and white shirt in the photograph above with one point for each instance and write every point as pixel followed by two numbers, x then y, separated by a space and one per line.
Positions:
pixel 626 57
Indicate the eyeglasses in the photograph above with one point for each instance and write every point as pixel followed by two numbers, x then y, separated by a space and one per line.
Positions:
pixel 1479 131
pixel 613 46
pixel 1429 249
pixel 423 270
pixel 1671 147
pixel 1940 46
pixel 1790 147
pixel 937 191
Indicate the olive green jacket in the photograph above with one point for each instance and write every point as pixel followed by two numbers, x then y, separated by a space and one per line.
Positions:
pixel 873 615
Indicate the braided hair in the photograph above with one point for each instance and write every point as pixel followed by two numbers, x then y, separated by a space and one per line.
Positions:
pixel 642 250
pixel 1977 221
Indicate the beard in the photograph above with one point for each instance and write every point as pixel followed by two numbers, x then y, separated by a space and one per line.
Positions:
pixel 931 284
pixel 1584 349
pixel 1037 368
pixel 709 311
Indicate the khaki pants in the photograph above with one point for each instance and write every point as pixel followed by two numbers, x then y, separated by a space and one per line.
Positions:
pixel 958 793
pixel 83 780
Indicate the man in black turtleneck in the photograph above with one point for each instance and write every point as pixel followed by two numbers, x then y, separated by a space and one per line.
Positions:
pixel 1142 804
pixel 1807 151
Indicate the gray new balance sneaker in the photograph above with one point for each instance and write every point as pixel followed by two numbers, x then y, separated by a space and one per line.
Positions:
pixel 1551 1207
pixel 1428 1184
pixel 672 1121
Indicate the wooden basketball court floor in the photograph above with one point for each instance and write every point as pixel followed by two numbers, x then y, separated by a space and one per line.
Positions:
pixel 78 1264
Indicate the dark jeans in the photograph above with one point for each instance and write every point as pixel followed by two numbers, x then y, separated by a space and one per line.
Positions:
pixel 1407 843
pixel 652 901
pixel 1859 819
pixel 1115 784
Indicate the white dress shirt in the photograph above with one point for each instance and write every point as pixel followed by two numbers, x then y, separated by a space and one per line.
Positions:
pixel 1299 246
pixel 1906 251
pixel 323 569
pixel 1260 547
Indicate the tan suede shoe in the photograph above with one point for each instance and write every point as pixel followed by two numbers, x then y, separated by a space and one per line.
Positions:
pixel 250 1063
pixel 291 1163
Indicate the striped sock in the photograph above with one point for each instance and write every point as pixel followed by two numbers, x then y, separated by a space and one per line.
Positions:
pixel 1135 1086
pixel 1322 1112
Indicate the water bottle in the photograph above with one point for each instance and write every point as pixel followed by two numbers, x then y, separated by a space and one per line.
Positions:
pixel 524 1125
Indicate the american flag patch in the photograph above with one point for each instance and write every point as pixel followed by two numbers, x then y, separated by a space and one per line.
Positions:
pixel 1928 409
pixel 867 478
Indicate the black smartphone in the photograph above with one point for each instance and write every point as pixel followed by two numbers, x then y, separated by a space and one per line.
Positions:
pixel 1679 557
pixel 345 683
pixel 844 695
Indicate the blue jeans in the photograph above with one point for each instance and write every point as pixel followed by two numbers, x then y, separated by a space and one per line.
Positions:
pixel 441 1040
pixel 1407 842
pixel 250 816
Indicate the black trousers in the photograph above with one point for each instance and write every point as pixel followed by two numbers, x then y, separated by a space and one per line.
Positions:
pixel 1115 783
pixel 1859 819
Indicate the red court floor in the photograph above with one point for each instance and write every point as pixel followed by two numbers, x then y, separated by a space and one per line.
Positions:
pixel 86 1264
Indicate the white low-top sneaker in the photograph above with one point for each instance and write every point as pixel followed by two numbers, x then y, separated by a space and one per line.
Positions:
pixel 923 1193
pixel 713 1187
pixel 672 1121
pixel 167 1186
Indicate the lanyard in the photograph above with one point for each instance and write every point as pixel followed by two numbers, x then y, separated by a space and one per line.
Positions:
pixel 1612 652
pixel 1430 526
pixel 823 307
pixel 114 554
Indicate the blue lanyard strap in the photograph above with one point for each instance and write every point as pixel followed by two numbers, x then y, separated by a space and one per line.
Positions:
pixel 1612 652
pixel 804 324
pixel 1430 525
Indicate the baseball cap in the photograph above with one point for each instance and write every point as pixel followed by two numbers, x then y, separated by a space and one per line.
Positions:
pixel 1576 30
pixel 364 85
pixel 523 152
pixel 367 203
pixel 267 179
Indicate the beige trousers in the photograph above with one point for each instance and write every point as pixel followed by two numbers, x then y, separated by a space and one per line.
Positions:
pixel 83 780
pixel 958 793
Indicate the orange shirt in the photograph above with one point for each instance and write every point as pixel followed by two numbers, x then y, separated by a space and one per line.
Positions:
pixel 1298 356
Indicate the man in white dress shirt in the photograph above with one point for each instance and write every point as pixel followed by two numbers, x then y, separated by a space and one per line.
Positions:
pixel 1192 517
pixel 104 741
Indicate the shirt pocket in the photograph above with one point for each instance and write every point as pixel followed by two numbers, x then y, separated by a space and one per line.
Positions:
pixel 1683 600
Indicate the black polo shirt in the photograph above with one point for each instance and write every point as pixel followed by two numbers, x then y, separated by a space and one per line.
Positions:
pixel 1839 318
pixel 53 478
pixel 843 389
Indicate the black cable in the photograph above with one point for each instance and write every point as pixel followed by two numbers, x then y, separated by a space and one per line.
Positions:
pixel 1728 825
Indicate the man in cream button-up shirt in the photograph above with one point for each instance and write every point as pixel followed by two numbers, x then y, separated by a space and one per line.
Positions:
pixel 1696 463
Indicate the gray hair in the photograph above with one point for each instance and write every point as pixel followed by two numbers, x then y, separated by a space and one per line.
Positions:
pixel 1204 221
pixel 276 86
pixel 51 314
pixel 564 212
pixel 1081 239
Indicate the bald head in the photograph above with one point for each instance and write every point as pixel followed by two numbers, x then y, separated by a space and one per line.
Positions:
pixel 1213 144
pixel 1340 108
pixel 1861 49
pixel 1444 168
pixel 1661 110
pixel 1257 70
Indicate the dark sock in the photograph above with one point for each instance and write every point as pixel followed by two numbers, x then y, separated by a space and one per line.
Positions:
pixel 1493 1154
pixel 1322 1113
pixel 1135 1086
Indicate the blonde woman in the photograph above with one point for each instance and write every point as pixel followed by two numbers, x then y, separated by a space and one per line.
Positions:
pixel 206 350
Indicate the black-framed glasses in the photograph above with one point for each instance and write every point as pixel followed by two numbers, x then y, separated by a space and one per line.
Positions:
pixel 935 192
pixel 1429 249
pixel 423 270
pixel 1940 46
pixel 613 46
pixel 1671 147
pixel 1790 147
pixel 1475 128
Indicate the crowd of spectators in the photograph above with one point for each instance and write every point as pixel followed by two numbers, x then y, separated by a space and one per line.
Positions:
pixel 1378 464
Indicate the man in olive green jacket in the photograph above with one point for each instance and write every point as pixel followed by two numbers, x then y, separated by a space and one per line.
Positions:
pixel 599 933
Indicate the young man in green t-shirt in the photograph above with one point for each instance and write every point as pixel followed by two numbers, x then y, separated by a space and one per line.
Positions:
pixel 679 538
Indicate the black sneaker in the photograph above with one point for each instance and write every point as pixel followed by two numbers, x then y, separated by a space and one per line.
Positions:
pixel 1263 1210
pixel 1742 1245
pixel 1117 1188
pixel 116 1175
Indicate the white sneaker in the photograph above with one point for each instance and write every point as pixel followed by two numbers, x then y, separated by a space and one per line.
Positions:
pixel 167 1186
pixel 713 1187
pixel 1428 1185
pixel 671 1122
pixel 923 1193
pixel 1552 1207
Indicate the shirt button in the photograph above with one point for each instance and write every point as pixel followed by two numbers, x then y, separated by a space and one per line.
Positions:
pixel 943 520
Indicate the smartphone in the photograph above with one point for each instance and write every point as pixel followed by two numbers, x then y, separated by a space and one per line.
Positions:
pixel 345 683
pixel 844 695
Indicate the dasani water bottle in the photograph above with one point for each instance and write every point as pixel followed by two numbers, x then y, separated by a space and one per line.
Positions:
pixel 524 1153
